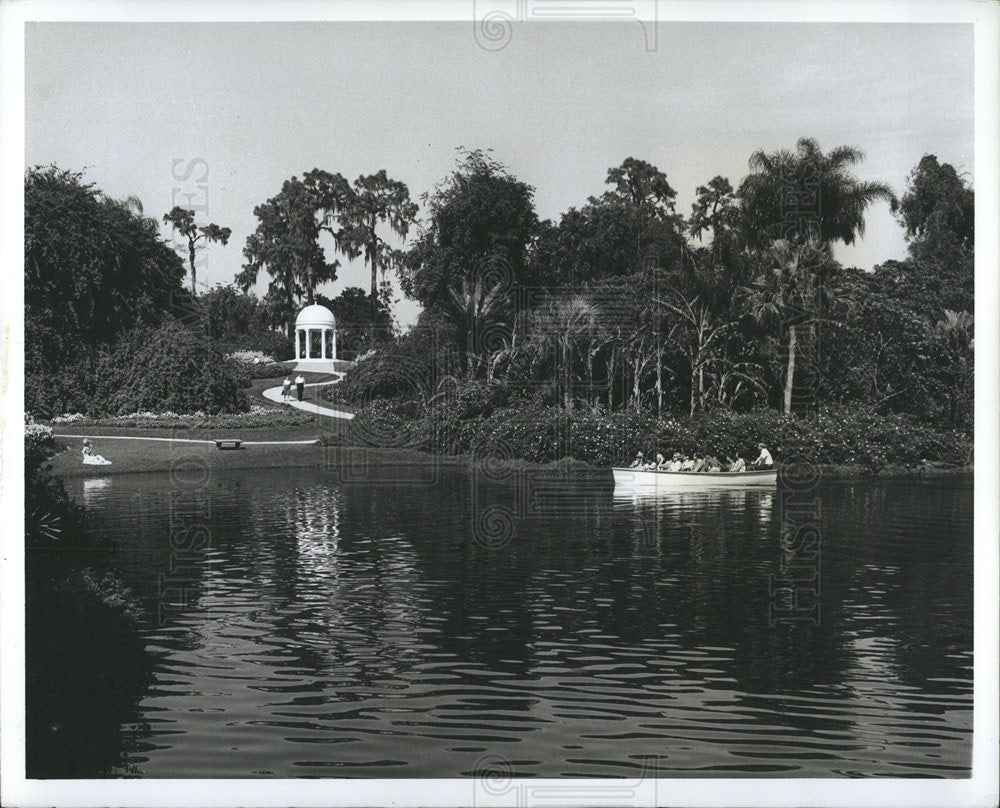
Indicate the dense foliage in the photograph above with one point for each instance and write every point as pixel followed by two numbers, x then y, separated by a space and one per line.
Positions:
pixel 236 321
pixel 473 424
pixel 361 322
pixel 624 305
pixel 172 368
pixel 94 268
pixel 287 242
pixel 108 325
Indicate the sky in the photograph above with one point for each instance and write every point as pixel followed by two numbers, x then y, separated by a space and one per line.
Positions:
pixel 217 115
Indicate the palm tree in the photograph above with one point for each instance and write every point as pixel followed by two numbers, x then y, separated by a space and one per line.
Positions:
pixel 806 194
pixel 560 324
pixel 788 295
pixel 957 332
pixel 477 314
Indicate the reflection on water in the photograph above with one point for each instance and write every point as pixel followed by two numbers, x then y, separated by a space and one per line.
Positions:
pixel 362 630
pixel 94 489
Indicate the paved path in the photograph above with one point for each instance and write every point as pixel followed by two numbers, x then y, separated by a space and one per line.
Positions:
pixel 274 394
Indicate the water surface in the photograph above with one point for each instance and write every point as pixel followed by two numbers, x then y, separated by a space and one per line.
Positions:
pixel 430 623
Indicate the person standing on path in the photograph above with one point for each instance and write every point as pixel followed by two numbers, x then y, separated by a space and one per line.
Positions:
pixel 300 385
pixel 286 389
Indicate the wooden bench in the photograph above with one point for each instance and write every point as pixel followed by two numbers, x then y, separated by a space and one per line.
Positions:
pixel 228 444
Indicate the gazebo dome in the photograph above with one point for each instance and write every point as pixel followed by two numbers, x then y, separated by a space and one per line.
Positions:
pixel 315 334
pixel 315 316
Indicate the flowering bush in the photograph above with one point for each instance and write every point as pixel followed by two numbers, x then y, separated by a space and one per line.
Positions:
pixel 258 416
pixel 39 444
pixel 69 418
pixel 251 357
pixel 838 436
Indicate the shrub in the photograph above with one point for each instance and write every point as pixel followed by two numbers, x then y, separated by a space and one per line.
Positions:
pixel 258 416
pixel 409 369
pixel 39 445
pixel 544 434
pixel 171 368
pixel 68 388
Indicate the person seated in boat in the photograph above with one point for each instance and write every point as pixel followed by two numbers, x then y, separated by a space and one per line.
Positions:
pixel 764 460
pixel 661 462
pixel 638 462
pixel 91 459
pixel 687 463
pixel 699 462
pixel 676 461
pixel 739 464
pixel 712 463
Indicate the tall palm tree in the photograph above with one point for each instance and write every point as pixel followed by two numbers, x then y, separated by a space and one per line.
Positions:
pixel 787 296
pixel 803 194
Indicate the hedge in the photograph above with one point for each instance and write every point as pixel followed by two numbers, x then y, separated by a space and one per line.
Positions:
pixel 838 436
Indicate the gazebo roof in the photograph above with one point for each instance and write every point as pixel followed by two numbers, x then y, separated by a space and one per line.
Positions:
pixel 315 316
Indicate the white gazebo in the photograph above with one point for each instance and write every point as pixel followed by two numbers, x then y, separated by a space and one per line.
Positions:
pixel 315 334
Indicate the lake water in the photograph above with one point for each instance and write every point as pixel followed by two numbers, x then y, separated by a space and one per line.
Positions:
pixel 432 623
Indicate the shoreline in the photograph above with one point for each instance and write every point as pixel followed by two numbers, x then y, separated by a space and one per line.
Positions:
pixel 135 450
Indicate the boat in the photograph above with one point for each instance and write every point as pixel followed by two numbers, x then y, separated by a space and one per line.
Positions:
pixel 652 480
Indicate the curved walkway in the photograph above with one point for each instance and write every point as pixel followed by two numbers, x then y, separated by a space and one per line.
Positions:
pixel 274 394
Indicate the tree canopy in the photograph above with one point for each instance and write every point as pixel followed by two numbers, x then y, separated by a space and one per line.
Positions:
pixel 802 194
pixel 94 268
pixel 286 245
pixel 480 222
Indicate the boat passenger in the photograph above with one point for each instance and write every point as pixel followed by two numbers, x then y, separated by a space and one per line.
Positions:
pixel 637 463
pixel 699 462
pixel 712 463
pixel 661 461
pixel 687 464
pixel 764 460
pixel 739 464
pixel 675 464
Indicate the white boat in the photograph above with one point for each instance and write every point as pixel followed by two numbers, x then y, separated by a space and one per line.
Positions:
pixel 651 480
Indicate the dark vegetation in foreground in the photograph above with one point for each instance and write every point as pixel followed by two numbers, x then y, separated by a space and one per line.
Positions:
pixel 84 663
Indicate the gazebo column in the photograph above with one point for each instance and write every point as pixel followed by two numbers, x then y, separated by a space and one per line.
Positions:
pixel 322 343
pixel 308 346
